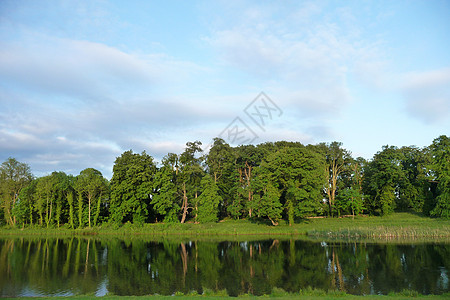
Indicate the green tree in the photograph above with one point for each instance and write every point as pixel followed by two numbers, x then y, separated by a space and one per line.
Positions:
pixel 165 190
pixel 440 150
pixel 297 171
pixel 92 186
pixel 414 186
pixel 208 201
pixel 248 159
pixel 350 197
pixel 45 199
pixel 14 176
pixel 24 210
pixel 132 187
pixel 189 177
pixel 271 206
pixel 220 163
pixel 338 161
pixel 382 178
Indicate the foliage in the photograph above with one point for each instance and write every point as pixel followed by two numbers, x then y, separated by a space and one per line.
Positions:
pixel 440 150
pixel 131 187
pixel 165 191
pixel 208 201
pixel 271 206
pixel 14 176
pixel 269 182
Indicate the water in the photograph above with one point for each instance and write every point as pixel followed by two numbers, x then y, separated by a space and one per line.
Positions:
pixel 98 266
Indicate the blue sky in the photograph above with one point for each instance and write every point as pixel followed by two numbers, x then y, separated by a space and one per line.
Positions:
pixel 83 81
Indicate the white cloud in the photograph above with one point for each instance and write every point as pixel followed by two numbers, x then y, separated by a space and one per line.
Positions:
pixel 307 66
pixel 427 95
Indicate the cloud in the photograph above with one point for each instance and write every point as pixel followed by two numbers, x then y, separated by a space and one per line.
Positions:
pixel 307 67
pixel 427 95
pixel 67 67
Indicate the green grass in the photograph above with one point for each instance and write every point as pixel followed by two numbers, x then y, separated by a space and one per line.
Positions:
pixel 309 294
pixel 395 226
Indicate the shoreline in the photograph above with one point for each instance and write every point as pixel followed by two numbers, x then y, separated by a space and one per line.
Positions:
pixel 396 226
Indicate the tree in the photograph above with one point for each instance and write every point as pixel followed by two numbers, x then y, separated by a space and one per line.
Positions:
pixel 165 190
pixel 132 187
pixel 337 161
pixel 45 199
pixel 386 199
pixel 382 177
pixel 208 201
pixel 220 163
pixel 92 186
pixel 271 206
pixel 414 186
pixel 350 196
pixel 189 176
pixel 14 176
pixel 24 209
pixel 248 158
pixel 297 171
pixel 440 150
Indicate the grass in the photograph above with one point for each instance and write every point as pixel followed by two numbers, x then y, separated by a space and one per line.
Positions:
pixel 395 226
pixel 279 294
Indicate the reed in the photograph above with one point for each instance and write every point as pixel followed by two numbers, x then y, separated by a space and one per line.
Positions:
pixel 398 225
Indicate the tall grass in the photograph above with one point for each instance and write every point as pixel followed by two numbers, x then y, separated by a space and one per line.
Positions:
pixel 398 225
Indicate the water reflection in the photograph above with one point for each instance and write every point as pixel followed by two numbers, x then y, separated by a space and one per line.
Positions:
pixel 54 266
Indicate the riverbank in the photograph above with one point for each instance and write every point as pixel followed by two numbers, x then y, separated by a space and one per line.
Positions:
pixel 397 225
pixel 311 295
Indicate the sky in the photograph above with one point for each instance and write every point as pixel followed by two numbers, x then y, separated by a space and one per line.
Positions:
pixel 83 81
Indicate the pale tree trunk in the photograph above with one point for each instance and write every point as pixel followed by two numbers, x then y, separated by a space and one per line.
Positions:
pixel 184 259
pixel 248 174
pixel 196 208
pixel 184 207
pixel 274 223
pixel 336 170
pixel 87 258
pixel 89 208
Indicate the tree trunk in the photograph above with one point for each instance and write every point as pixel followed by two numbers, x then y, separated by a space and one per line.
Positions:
pixel 97 213
pixel 89 209
pixel 196 208
pixel 184 259
pixel 248 174
pixel 273 222
pixel 184 207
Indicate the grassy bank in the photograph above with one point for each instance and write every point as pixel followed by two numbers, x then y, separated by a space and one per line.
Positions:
pixel 309 294
pixel 398 225
pixel 289 297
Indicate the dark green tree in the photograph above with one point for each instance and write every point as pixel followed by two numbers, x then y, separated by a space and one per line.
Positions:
pixel 297 172
pixel 220 163
pixel 164 198
pixel 208 201
pixel 382 178
pixel 132 187
pixel 189 177
pixel 440 150
pixel 270 205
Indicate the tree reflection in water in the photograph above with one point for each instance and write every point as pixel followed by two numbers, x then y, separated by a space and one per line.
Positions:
pixel 76 265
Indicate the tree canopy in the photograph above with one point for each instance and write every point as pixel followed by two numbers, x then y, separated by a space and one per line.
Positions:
pixel 269 182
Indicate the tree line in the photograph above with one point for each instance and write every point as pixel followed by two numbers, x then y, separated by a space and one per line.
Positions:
pixel 269 182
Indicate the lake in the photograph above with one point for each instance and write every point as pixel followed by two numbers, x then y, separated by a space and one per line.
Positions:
pixel 98 266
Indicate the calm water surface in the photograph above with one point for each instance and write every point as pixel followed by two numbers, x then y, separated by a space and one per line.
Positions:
pixel 68 266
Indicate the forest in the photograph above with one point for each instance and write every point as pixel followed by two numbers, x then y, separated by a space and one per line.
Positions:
pixel 270 182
